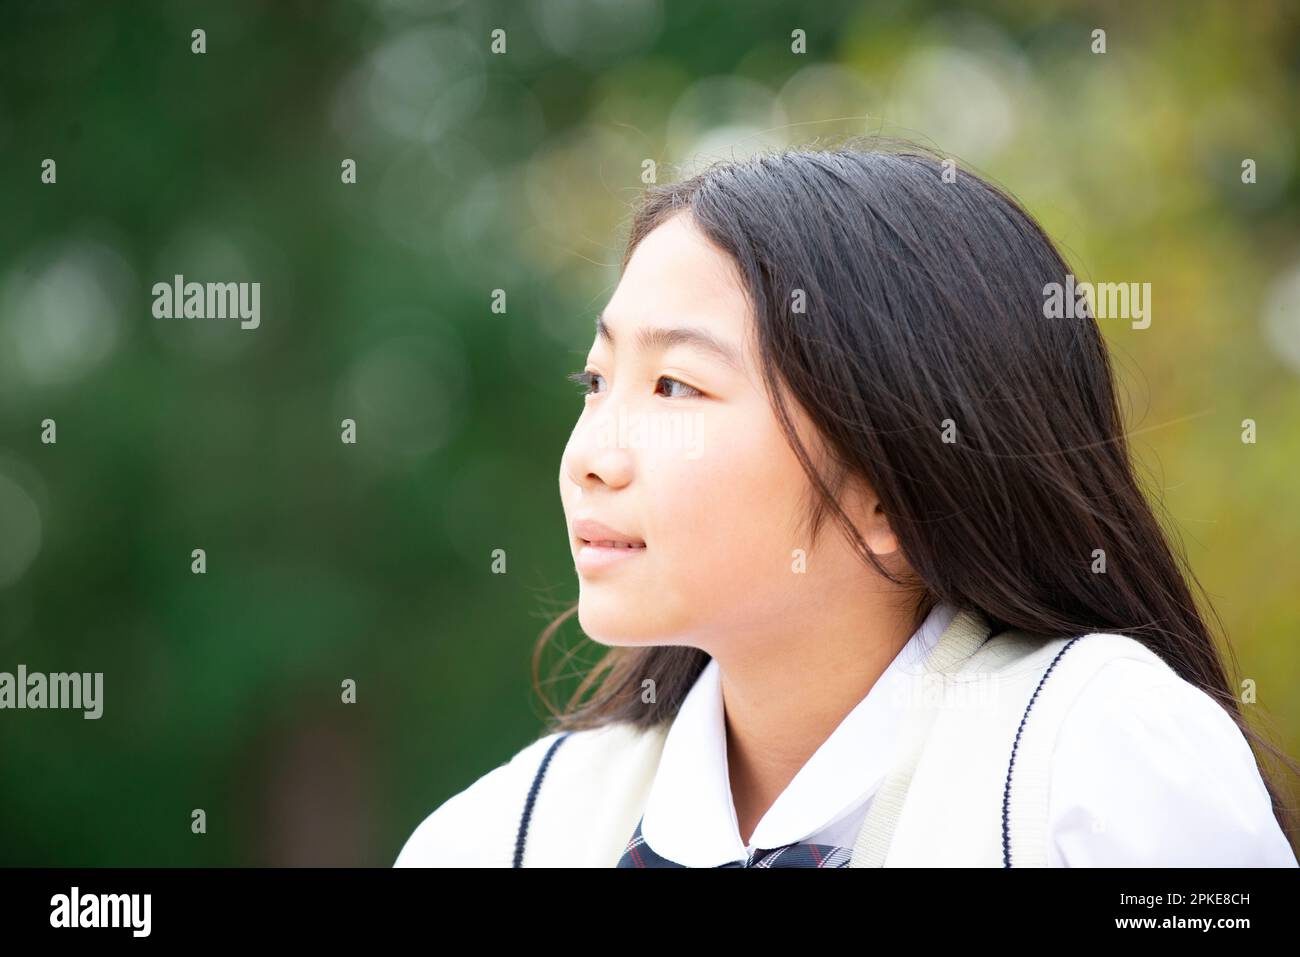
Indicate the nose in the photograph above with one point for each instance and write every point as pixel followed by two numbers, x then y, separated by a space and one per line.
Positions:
pixel 595 456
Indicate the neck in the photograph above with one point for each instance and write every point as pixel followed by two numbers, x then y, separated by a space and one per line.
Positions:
pixel 783 700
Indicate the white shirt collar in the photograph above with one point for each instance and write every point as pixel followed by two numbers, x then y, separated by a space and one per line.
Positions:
pixel 690 817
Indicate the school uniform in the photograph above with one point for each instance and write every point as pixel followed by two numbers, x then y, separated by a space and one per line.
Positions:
pixel 972 749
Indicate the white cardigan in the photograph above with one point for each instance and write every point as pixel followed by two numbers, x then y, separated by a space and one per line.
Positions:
pixel 970 785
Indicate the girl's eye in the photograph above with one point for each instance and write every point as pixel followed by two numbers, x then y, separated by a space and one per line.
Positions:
pixel 587 379
pixel 584 378
pixel 690 389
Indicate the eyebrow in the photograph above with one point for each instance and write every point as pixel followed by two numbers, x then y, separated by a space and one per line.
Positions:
pixel 659 338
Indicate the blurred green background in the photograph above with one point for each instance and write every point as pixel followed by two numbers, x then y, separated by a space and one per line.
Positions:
pixel 477 172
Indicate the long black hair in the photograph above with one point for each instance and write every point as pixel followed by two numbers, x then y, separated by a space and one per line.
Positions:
pixel 899 306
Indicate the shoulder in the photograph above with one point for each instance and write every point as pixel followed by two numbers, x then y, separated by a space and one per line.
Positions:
pixel 477 827
pixel 1148 769
pixel 465 830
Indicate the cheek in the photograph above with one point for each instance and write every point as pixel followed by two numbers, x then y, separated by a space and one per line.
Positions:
pixel 726 522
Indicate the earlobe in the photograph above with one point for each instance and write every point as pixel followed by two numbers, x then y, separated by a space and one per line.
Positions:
pixel 878 535
pixel 881 540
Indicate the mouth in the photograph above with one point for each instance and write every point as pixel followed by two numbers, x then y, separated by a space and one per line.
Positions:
pixel 598 546
pixel 589 532
pixel 592 558
pixel 618 546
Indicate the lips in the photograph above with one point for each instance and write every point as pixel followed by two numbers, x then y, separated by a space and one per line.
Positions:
pixel 590 532
pixel 600 551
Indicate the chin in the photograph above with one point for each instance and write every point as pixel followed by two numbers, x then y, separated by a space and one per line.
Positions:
pixel 613 623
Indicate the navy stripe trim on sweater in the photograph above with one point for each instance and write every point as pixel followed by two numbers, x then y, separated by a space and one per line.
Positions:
pixel 1006 790
pixel 522 837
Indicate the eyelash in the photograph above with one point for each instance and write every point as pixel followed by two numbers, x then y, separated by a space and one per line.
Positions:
pixel 583 378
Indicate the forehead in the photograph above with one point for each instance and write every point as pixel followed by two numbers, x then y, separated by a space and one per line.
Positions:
pixel 676 276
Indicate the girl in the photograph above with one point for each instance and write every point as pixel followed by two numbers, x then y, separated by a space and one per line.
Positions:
pixel 855 513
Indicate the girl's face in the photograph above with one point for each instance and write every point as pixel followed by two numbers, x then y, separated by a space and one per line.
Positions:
pixel 678 448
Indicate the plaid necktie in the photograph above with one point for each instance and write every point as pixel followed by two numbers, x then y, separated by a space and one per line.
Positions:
pixel 640 854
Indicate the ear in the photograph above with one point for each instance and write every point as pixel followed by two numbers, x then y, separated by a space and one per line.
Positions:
pixel 877 531
pixel 872 522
